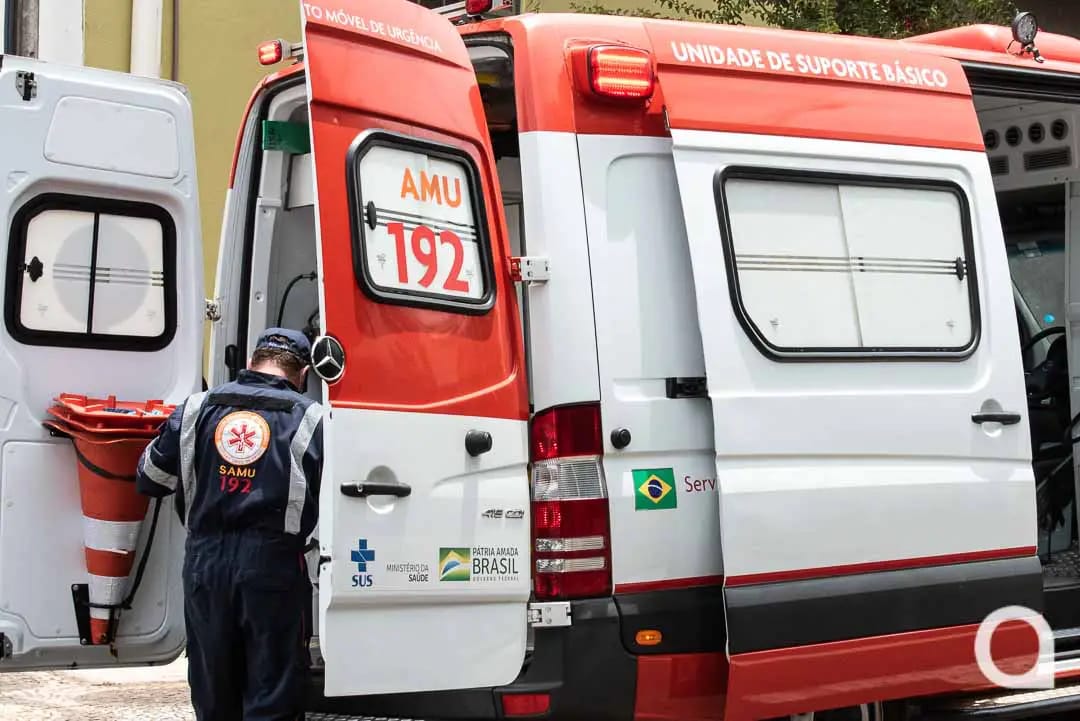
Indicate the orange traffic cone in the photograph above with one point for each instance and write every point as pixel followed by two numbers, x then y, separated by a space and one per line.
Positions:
pixel 113 512
pixel 109 437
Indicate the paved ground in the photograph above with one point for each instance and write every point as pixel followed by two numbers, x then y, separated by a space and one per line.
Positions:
pixel 141 694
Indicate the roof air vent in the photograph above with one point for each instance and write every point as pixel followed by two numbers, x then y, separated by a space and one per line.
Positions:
pixel 1012 136
pixel 999 165
pixel 1037 132
pixel 991 139
pixel 1059 129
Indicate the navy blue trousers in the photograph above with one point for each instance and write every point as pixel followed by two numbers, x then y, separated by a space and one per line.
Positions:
pixel 247 604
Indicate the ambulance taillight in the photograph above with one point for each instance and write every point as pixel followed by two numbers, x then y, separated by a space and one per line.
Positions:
pixel 620 72
pixel 570 515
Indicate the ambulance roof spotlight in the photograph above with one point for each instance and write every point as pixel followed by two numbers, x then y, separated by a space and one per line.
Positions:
pixel 1024 28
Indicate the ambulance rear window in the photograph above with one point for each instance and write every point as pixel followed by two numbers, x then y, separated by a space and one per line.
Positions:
pixel 840 265
pixel 91 272
pixel 419 224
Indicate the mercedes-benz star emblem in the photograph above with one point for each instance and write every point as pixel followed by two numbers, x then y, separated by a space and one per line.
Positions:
pixel 328 358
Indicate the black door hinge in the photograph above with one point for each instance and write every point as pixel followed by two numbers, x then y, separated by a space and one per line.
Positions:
pixel 687 388
pixel 26 85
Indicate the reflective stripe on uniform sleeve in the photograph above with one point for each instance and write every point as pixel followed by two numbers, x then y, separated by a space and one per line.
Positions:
pixel 188 426
pixel 155 474
pixel 297 479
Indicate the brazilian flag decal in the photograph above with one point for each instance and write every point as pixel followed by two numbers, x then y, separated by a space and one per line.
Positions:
pixel 654 488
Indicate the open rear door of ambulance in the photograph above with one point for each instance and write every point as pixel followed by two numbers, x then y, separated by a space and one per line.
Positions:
pixel 872 451
pixel 424 505
pixel 103 296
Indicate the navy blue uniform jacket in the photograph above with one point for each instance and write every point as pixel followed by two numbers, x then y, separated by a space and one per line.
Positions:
pixel 246 455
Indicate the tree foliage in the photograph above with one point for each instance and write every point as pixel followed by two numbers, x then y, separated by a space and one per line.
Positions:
pixel 878 18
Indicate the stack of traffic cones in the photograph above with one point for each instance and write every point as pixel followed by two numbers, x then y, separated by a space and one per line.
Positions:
pixel 109 436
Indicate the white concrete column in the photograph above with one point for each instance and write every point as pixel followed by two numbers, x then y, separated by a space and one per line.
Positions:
pixel 60 31
pixel 146 37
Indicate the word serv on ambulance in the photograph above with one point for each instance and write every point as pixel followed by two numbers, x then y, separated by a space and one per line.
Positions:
pixel 641 404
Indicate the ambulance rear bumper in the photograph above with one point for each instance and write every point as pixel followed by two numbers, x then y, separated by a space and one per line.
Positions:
pixel 583 667
pixel 590 669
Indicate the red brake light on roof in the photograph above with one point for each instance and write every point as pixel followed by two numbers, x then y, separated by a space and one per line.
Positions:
pixel 621 72
pixel 478 7
pixel 271 52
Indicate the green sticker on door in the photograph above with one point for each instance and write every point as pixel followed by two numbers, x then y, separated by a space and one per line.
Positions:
pixel 654 489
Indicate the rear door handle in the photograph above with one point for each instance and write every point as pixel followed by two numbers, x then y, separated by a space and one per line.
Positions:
pixel 363 489
pixel 1005 419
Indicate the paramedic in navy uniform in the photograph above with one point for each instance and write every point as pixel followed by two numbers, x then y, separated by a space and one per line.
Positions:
pixel 244 460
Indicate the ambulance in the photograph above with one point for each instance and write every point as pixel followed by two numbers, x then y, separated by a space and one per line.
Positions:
pixel 675 371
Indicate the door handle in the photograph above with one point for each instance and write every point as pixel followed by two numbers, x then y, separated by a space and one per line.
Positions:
pixel 363 489
pixel 1005 419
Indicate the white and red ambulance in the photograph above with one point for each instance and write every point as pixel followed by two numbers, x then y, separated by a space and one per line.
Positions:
pixel 675 371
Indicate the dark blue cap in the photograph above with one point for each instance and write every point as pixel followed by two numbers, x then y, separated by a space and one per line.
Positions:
pixel 285 339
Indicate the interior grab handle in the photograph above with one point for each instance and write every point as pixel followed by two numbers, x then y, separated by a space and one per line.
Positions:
pixel 363 489
pixel 1005 419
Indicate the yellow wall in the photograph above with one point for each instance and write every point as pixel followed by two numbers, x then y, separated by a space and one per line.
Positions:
pixel 218 42
pixel 217 62
pixel 107 34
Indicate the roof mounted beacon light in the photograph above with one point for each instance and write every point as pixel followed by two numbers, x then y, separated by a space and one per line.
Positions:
pixel 273 52
pixel 476 8
pixel 1024 29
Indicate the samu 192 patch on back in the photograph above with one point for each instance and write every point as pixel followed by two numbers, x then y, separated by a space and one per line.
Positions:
pixel 654 489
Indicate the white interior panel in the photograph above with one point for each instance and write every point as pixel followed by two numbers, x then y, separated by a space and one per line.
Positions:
pixel 301 182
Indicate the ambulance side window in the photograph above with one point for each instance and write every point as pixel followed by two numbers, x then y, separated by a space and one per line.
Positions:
pixel 834 266
pixel 419 224
pixel 92 273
